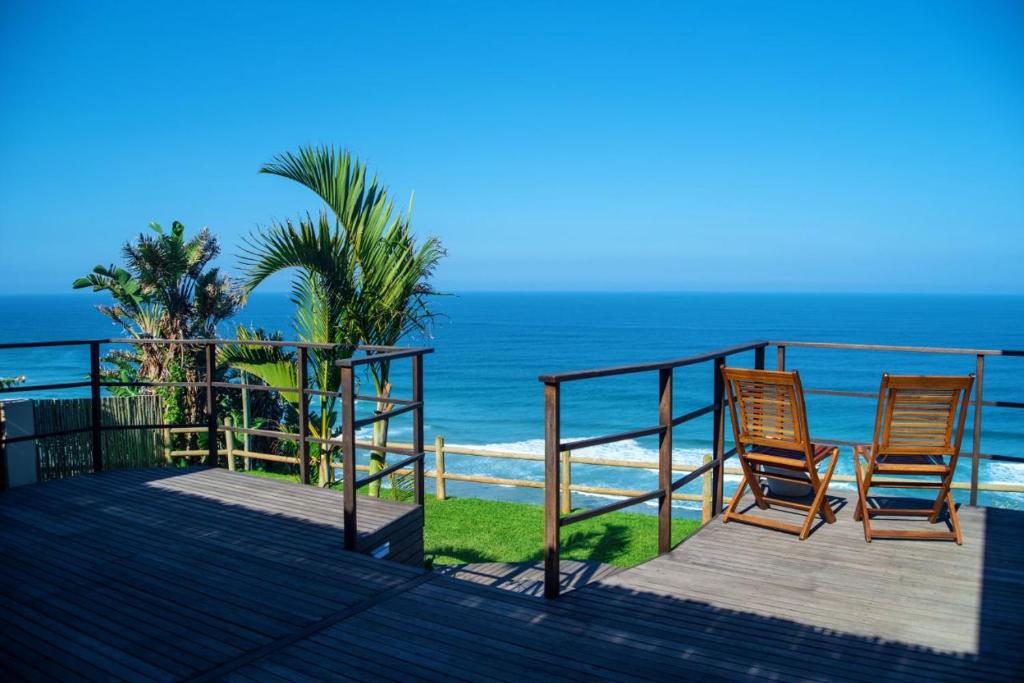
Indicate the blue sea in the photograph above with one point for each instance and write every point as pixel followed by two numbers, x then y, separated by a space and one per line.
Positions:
pixel 482 389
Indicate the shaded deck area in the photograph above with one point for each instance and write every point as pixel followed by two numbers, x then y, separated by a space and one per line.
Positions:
pixel 130 576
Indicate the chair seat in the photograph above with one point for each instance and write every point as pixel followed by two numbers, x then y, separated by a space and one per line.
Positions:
pixel 784 457
pixel 906 463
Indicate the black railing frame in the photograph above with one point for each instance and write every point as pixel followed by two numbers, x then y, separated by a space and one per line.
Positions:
pixel 348 367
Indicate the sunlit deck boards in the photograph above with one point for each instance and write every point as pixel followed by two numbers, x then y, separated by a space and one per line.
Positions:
pixel 110 582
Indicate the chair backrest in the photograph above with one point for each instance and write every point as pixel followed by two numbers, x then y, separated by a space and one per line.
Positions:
pixel 767 409
pixel 921 415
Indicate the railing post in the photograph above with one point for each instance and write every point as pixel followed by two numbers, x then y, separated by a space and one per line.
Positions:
pixel 552 446
pixel 417 427
pixel 96 407
pixel 979 382
pixel 302 382
pixel 566 497
pixel 229 442
pixel 780 358
pixel 705 508
pixel 167 444
pixel 717 445
pixel 665 460
pixel 211 406
pixel 246 440
pixel 439 488
pixel 759 358
pixel 348 454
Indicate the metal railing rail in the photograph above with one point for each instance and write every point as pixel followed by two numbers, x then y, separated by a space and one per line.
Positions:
pixel 554 447
pixel 555 516
pixel 358 357
pixel 979 404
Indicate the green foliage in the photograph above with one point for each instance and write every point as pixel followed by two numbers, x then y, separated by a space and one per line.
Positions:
pixel 359 279
pixel 8 382
pixel 167 289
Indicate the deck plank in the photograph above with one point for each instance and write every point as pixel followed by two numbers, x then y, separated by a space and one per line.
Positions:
pixel 208 575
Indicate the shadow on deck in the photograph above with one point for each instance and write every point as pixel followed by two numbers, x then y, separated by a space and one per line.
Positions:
pixel 117 576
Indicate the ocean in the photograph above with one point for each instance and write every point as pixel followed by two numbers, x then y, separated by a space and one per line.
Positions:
pixel 481 385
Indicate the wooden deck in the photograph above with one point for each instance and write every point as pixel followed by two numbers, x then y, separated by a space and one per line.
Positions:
pixel 130 577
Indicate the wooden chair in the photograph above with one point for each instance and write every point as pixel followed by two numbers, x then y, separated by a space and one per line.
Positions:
pixel 916 429
pixel 769 426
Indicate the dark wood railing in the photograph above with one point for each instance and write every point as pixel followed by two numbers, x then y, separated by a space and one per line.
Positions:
pixel 554 446
pixel 667 420
pixel 357 357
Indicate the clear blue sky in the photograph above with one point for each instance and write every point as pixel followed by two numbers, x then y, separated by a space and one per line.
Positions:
pixel 813 146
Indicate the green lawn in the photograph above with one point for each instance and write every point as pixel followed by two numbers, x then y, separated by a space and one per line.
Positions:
pixel 463 530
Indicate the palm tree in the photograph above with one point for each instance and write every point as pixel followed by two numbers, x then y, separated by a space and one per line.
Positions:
pixel 361 280
pixel 167 290
pixel 322 291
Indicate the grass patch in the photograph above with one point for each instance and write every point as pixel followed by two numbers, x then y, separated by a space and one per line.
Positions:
pixel 465 530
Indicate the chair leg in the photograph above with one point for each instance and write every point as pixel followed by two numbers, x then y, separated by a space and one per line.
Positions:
pixel 862 500
pixel 940 498
pixel 819 499
pixel 731 509
pixel 954 518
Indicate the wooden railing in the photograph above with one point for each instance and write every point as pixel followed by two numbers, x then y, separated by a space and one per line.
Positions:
pixel 556 511
pixel 351 359
pixel 441 474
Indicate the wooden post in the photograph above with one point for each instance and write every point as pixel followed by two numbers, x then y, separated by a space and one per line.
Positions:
pixel 301 369
pixel 979 383
pixel 566 483
pixel 348 454
pixel 167 444
pixel 95 406
pixel 717 441
pixel 780 358
pixel 552 522
pixel 417 427
pixel 759 358
pixel 211 406
pixel 246 438
pixel 229 442
pixel 665 460
pixel 439 488
pixel 706 497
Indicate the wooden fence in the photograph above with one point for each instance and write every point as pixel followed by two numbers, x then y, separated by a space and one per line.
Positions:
pixel 70 452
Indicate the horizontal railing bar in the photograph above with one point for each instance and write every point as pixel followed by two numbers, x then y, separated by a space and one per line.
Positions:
pixel 611 507
pixel 368 446
pixel 381 399
pixel 997 457
pixel 395 412
pixel 905 349
pixel 692 415
pixel 388 470
pixel 43 387
pixel 698 471
pixel 260 432
pixel 153 425
pixel 573 376
pixel 251 387
pixel 183 385
pixel 195 453
pixel 229 342
pixel 611 438
pixel 383 356
pixel 47 435
pixel 870 394
pixel 45 344
pixel 242 453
